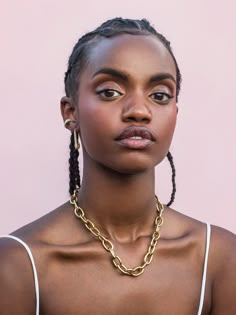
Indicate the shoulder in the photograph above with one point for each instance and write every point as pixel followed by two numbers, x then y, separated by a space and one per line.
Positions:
pixel 223 251
pixel 17 287
pixel 222 268
pixel 222 254
pixel 222 241
pixel 47 229
pixel 16 279
pixel 223 244
pixel 181 225
pixel 45 237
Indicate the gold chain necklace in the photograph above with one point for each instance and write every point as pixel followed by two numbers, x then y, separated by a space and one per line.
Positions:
pixel 109 247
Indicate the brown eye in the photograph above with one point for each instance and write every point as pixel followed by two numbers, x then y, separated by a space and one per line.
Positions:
pixel 161 97
pixel 109 94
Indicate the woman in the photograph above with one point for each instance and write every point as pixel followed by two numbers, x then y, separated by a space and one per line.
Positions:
pixel 121 251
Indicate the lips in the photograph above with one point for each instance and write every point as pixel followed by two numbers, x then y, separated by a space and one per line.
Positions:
pixel 134 137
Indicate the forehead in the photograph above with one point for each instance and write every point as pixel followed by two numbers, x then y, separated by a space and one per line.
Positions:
pixel 135 54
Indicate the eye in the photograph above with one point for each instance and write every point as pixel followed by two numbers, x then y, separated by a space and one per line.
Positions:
pixel 161 97
pixel 109 94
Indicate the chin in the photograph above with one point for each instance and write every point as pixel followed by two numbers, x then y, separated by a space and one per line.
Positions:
pixel 132 166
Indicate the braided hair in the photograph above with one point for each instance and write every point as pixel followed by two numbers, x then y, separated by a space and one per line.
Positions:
pixel 78 60
pixel 172 197
pixel 74 173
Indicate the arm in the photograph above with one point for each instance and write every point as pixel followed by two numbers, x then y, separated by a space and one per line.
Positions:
pixel 16 280
pixel 223 262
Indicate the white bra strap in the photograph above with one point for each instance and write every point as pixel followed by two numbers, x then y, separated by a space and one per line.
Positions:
pixel 204 275
pixel 36 282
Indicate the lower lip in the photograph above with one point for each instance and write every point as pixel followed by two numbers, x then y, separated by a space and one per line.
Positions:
pixel 130 143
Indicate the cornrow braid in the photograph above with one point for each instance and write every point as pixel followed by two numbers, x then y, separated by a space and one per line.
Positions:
pixel 73 167
pixel 111 28
pixel 170 159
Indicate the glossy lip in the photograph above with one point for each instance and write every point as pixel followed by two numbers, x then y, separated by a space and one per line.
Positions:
pixel 134 137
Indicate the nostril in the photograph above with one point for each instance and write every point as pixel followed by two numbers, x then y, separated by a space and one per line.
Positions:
pixel 136 109
pixel 137 118
pixel 137 115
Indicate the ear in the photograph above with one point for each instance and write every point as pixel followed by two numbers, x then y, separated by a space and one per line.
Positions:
pixel 68 111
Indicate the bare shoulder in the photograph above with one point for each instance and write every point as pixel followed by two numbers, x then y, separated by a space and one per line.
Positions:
pixel 223 252
pixel 16 279
pixel 17 288
pixel 222 262
pixel 222 241
pixel 181 225
pixel 53 228
pixel 223 246
pixel 221 271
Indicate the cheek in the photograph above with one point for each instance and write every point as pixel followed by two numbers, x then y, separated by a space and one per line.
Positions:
pixel 166 128
pixel 167 123
pixel 97 123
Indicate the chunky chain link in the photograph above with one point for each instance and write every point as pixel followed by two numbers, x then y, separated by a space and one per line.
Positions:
pixel 109 247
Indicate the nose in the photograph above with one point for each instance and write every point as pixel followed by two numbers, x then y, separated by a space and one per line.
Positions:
pixel 136 110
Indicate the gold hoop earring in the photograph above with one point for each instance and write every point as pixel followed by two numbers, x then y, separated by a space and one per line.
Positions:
pixel 67 122
pixel 76 140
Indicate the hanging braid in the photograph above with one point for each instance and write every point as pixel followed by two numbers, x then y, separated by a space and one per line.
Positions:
pixel 172 197
pixel 80 57
pixel 73 166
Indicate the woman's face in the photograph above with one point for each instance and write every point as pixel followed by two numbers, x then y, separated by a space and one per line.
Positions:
pixel 127 103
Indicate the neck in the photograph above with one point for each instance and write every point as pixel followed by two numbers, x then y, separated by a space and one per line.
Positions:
pixel 121 206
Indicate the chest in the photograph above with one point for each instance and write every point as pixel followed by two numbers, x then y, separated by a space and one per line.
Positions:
pixel 94 286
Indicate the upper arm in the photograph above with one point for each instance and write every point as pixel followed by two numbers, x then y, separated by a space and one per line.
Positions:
pixel 223 261
pixel 16 280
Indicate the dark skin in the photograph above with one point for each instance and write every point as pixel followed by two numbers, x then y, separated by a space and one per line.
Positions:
pixel 76 275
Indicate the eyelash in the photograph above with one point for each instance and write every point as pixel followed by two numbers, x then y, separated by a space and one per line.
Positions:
pixel 112 97
pixel 107 97
pixel 163 94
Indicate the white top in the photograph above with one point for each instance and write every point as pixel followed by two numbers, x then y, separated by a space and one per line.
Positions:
pixel 204 274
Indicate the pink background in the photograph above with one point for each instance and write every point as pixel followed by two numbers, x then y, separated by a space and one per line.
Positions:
pixel 36 40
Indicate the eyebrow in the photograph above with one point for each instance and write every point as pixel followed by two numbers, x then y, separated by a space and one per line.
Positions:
pixel 114 73
pixel 162 76
pixel 123 76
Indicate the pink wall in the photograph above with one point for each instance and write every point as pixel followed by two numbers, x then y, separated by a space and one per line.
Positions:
pixel 36 40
